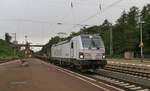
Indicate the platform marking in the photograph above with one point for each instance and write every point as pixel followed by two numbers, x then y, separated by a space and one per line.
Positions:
pixel 19 83
pixel 91 79
pixel 84 80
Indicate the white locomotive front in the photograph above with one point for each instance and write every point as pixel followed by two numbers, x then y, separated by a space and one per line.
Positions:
pixel 83 52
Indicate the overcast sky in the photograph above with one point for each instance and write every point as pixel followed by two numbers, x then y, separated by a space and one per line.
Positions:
pixel 38 19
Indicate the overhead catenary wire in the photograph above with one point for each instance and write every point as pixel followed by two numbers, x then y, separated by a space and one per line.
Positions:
pixel 103 10
pixel 72 5
pixel 67 14
pixel 36 21
pixel 73 12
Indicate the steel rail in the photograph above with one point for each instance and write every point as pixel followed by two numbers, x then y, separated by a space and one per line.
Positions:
pixel 143 72
pixel 124 77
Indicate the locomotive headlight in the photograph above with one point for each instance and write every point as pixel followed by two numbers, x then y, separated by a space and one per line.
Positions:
pixel 81 55
pixel 103 56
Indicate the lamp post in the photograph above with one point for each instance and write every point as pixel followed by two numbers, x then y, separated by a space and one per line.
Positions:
pixel 26 38
pixel 111 41
pixel 111 38
pixel 15 39
pixel 141 40
pixel 15 43
pixel 141 36
pixel 14 36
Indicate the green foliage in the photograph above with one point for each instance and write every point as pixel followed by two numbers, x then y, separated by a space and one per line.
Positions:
pixel 126 33
pixel 146 29
pixel 47 48
pixel 7 51
pixel 7 37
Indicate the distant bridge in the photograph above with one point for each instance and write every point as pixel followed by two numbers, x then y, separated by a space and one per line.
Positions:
pixel 25 45
pixel 27 50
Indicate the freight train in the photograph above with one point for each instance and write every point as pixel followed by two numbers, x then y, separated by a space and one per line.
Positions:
pixel 84 52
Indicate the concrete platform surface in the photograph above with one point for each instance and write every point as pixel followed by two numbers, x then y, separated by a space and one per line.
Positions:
pixel 41 77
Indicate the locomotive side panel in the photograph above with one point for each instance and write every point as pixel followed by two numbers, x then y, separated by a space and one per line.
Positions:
pixel 61 50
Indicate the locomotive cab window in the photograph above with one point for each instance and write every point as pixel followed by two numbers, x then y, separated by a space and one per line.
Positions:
pixel 72 45
pixel 92 42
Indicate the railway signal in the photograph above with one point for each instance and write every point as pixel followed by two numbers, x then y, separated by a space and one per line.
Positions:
pixel 141 45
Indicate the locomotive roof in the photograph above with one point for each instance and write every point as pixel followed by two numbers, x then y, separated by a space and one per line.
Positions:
pixel 66 41
pixel 62 42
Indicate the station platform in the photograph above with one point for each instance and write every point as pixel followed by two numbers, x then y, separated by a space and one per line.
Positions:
pixel 41 76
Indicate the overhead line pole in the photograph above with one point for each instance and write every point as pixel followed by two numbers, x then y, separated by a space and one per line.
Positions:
pixel 141 36
pixel 111 42
pixel 141 40
pixel 15 43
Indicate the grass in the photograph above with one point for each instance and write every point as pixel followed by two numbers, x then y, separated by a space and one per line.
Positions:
pixel 7 51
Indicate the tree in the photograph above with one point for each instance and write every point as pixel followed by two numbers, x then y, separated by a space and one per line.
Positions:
pixel 119 36
pixel 126 33
pixel 7 37
pixel 105 33
pixel 47 47
pixel 146 28
pixel 132 31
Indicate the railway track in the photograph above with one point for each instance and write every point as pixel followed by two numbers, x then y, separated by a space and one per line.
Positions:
pixel 111 78
pixel 120 80
pixel 123 80
pixel 139 71
pixel 118 83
